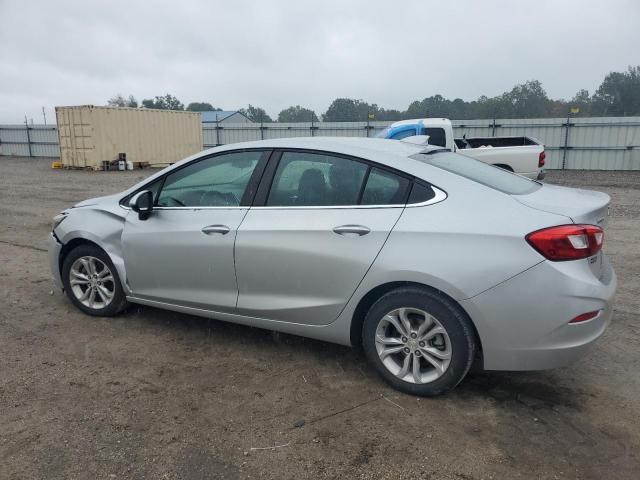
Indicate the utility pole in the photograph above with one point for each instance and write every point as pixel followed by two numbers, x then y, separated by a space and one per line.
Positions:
pixel 493 126
pixel 566 136
pixel 367 127
pixel 26 125
pixel 261 126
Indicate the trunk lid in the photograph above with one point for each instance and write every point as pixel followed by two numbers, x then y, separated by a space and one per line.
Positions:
pixel 580 206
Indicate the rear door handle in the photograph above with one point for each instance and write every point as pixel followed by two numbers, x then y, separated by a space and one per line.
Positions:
pixel 352 230
pixel 211 229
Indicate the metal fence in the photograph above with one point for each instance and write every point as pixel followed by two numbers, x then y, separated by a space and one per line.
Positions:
pixel 29 141
pixel 605 143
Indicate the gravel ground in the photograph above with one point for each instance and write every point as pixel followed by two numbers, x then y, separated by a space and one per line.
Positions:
pixel 154 394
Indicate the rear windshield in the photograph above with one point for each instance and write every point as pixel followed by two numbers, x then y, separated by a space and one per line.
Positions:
pixel 493 177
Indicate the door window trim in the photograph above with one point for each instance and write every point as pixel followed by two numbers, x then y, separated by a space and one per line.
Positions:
pixel 264 173
pixel 268 176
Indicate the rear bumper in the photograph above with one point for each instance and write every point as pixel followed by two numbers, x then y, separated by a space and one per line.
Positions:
pixel 54 247
pixel 523 323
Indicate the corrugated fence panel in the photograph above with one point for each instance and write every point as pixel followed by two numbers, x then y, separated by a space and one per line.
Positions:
pixel 231 134
pixel 225 133
pixel 15 150
pixel 472 128
pixel 38 141
pixel 602 143
pixel 598 143
pixel 13 134
pixel 287 130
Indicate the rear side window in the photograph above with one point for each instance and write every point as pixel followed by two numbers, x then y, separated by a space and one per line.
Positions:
pixel 488 175
pixel 420 193
pixel 385 188
pixel 310 179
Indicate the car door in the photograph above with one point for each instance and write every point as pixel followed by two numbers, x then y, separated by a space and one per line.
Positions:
pixel 306 244
pixel 183 253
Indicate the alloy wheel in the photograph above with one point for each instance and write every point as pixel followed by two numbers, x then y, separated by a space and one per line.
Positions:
pixel 413 345
pixel 92 282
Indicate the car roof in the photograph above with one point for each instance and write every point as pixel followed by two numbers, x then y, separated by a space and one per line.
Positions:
pixel 375 149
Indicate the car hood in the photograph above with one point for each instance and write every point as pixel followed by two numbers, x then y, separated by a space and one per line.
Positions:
pixel 107 199
pixel 582 206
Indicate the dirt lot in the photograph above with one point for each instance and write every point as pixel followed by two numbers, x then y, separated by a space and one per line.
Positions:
pixel 155 394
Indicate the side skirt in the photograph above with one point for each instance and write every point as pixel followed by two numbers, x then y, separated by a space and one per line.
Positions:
pixel 318 332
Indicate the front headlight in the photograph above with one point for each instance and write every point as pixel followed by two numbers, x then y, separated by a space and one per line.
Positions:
pixel 57 220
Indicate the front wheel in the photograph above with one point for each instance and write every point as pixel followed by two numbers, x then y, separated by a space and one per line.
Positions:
pixel 92 283
pixel 419 341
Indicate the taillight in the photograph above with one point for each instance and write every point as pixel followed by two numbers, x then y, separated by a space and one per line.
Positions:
pixel 567 242
pixel 585 316
pixel 541 159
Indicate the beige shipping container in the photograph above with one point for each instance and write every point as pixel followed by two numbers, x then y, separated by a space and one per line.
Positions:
pixel 90 135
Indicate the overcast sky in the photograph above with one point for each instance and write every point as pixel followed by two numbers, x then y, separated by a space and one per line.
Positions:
pixel 275 54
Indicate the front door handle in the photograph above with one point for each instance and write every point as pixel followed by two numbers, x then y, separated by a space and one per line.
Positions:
pixel 211 229
pixel 352 230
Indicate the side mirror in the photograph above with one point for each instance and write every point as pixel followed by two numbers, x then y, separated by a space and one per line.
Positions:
pixel 142 204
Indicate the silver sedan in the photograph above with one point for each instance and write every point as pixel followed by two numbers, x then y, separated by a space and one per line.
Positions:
pixel 429 260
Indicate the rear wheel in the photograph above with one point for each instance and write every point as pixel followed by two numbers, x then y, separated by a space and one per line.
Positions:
pixel 420 342
pixel 92 283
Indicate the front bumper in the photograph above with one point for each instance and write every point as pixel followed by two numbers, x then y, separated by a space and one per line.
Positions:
pixel 523 323
pixel 54 247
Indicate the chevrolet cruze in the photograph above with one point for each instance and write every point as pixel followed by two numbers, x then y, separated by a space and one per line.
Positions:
pixel 427 259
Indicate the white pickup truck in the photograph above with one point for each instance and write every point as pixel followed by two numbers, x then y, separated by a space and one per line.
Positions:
pixel 521 155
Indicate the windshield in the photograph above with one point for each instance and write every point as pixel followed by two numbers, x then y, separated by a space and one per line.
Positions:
pixel 488 175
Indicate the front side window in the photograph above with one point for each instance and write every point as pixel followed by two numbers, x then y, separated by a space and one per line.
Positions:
pixel 153 187
pixel 218 181
pixel 310 179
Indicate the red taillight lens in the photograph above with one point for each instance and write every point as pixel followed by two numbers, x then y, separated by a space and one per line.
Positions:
pixel 585 316
pixel 567 242
pixel 541 159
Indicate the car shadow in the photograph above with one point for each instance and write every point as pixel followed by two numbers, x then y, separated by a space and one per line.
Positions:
pixel 535 390
pixel 196 329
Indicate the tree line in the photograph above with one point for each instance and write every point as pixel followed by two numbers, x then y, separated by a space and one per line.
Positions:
pixel 617 95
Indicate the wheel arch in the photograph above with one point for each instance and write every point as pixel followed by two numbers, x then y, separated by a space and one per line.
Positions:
pixel 73 241
pixel 375 293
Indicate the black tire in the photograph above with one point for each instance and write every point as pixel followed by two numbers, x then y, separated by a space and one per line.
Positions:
pixel 119 301
pixel 451 317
